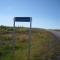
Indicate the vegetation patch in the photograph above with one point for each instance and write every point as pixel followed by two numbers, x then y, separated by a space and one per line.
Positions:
pixel 43 45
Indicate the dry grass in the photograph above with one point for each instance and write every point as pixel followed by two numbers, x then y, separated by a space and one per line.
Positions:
pixel 43 45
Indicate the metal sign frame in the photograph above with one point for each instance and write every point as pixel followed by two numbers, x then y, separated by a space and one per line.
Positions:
pixel 23 19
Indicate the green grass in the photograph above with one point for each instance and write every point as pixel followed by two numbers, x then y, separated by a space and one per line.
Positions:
pixel 43 46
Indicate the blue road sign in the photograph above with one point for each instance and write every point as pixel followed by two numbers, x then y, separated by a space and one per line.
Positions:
pixel 22 19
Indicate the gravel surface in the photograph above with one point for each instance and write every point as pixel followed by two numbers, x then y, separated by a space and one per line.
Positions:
pixel 57 34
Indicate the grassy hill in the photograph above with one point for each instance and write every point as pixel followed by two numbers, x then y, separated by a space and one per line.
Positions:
pixel 43 45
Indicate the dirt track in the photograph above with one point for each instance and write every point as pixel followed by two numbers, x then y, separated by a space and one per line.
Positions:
pixel 57 34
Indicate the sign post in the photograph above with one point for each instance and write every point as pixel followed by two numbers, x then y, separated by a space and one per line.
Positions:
pixel 23 19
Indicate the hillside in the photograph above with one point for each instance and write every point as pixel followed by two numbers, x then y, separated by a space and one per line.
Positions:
pixel 43 45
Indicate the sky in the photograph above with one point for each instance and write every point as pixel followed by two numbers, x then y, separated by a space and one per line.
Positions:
pixel 44 13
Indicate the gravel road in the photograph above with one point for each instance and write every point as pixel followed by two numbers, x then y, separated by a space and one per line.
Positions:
pixel 57 34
